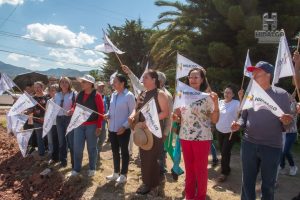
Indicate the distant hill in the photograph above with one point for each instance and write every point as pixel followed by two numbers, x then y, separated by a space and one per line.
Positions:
pixel 13 71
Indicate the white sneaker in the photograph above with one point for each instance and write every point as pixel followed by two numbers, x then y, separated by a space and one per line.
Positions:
pixel 293 170
pixel 91 173
pixel 113 177
pixel 122 179
pixel 73 173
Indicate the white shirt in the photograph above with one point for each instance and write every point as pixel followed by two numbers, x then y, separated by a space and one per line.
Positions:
pixel 228 113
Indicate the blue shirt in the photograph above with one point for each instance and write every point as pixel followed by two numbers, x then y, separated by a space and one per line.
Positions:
pixel 121 106
pixel 66 101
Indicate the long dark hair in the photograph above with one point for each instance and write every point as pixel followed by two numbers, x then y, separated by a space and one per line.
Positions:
pixel 122 79
pixel 204 84
pixel 153 74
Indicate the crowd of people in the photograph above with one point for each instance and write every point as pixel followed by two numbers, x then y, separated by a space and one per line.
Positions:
pixel 266 142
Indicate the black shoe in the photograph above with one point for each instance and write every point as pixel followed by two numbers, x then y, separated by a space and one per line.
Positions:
pixel 63 165
pixel 143 190
pixel 215 163
pixel 174 175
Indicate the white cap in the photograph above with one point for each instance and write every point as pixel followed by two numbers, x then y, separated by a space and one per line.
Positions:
pixel 87 78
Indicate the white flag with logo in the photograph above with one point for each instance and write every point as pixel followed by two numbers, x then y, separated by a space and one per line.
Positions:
pixel 108 46
pixel 184 65
pixel 15 123
pixel 261 100
pixel 149 111
pixel 186 95
pixel 284 65
pixel 80 115
pixel 24 102
pixel 52 109
pixel 112 77
pixel 5 83
pixel 23 138
pixel 146 69
pixel 247 64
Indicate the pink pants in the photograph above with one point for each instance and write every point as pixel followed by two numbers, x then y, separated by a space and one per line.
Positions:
pixel 195 155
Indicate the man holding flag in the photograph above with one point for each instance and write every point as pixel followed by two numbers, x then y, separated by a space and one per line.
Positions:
pixel 262 141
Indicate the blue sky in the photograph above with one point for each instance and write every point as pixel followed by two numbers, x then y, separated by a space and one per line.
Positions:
pixel 66 22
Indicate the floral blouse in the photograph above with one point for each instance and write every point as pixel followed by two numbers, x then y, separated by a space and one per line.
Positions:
pixel 195 120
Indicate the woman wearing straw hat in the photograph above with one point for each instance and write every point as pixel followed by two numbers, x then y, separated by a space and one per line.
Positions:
pixel 195 135
pixel 149 144
pixel 90 129
pixel 121 106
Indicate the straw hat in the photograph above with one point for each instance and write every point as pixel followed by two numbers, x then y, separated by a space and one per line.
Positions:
pixel 142 137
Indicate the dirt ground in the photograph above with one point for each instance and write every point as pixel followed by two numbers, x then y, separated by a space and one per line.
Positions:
pixel 20 179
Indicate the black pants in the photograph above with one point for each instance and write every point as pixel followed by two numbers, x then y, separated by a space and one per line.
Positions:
pixel 120 142
pixel 55 153
pixel 225 147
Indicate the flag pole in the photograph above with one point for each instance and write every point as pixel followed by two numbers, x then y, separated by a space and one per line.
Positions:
pixel 243 82
pixel 298 43
pixel 296 85
pixel 118 58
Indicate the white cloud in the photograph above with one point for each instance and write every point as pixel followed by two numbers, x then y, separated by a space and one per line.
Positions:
pixel 78 57
pixel 15 57
pixel 58 34
pixel 11 2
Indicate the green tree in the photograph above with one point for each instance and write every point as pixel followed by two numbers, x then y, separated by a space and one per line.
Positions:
pixel 216 34
pixel 134 40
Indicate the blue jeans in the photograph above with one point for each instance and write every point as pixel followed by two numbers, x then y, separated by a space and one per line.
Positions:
pixel 65 141
pixel 290 139
pixel 257 158
pixel 88 133
pixel 39 136
pixel 213 152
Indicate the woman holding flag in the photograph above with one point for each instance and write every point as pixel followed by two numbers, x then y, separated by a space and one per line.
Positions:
pixel 149 157
pixel 65 98
pixel 38 114
pixel 196 136
pixel 90 129
pixel 121 106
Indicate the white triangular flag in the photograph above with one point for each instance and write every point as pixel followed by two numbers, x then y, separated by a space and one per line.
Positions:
pixel 52 109
pixel 261 100
pixel 15 123
pixel 149 111
pixel 284 65
pixel 186 95
pixel 247 64
pixel 80 115
pixel 108 46
pixel 146 69
pixel 5 83
pixel 24 102
pixel 112 77
pixel 184 65
pixel 23 138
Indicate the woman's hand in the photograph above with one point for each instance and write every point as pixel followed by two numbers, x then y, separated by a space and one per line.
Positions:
pixel 70 112
pixel 121 131
pixel 126 69
pixel 235 126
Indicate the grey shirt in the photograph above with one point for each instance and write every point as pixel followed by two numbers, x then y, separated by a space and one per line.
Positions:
pixel 262 126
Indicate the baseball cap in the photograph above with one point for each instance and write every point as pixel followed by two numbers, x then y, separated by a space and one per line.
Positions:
pixel 267 67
